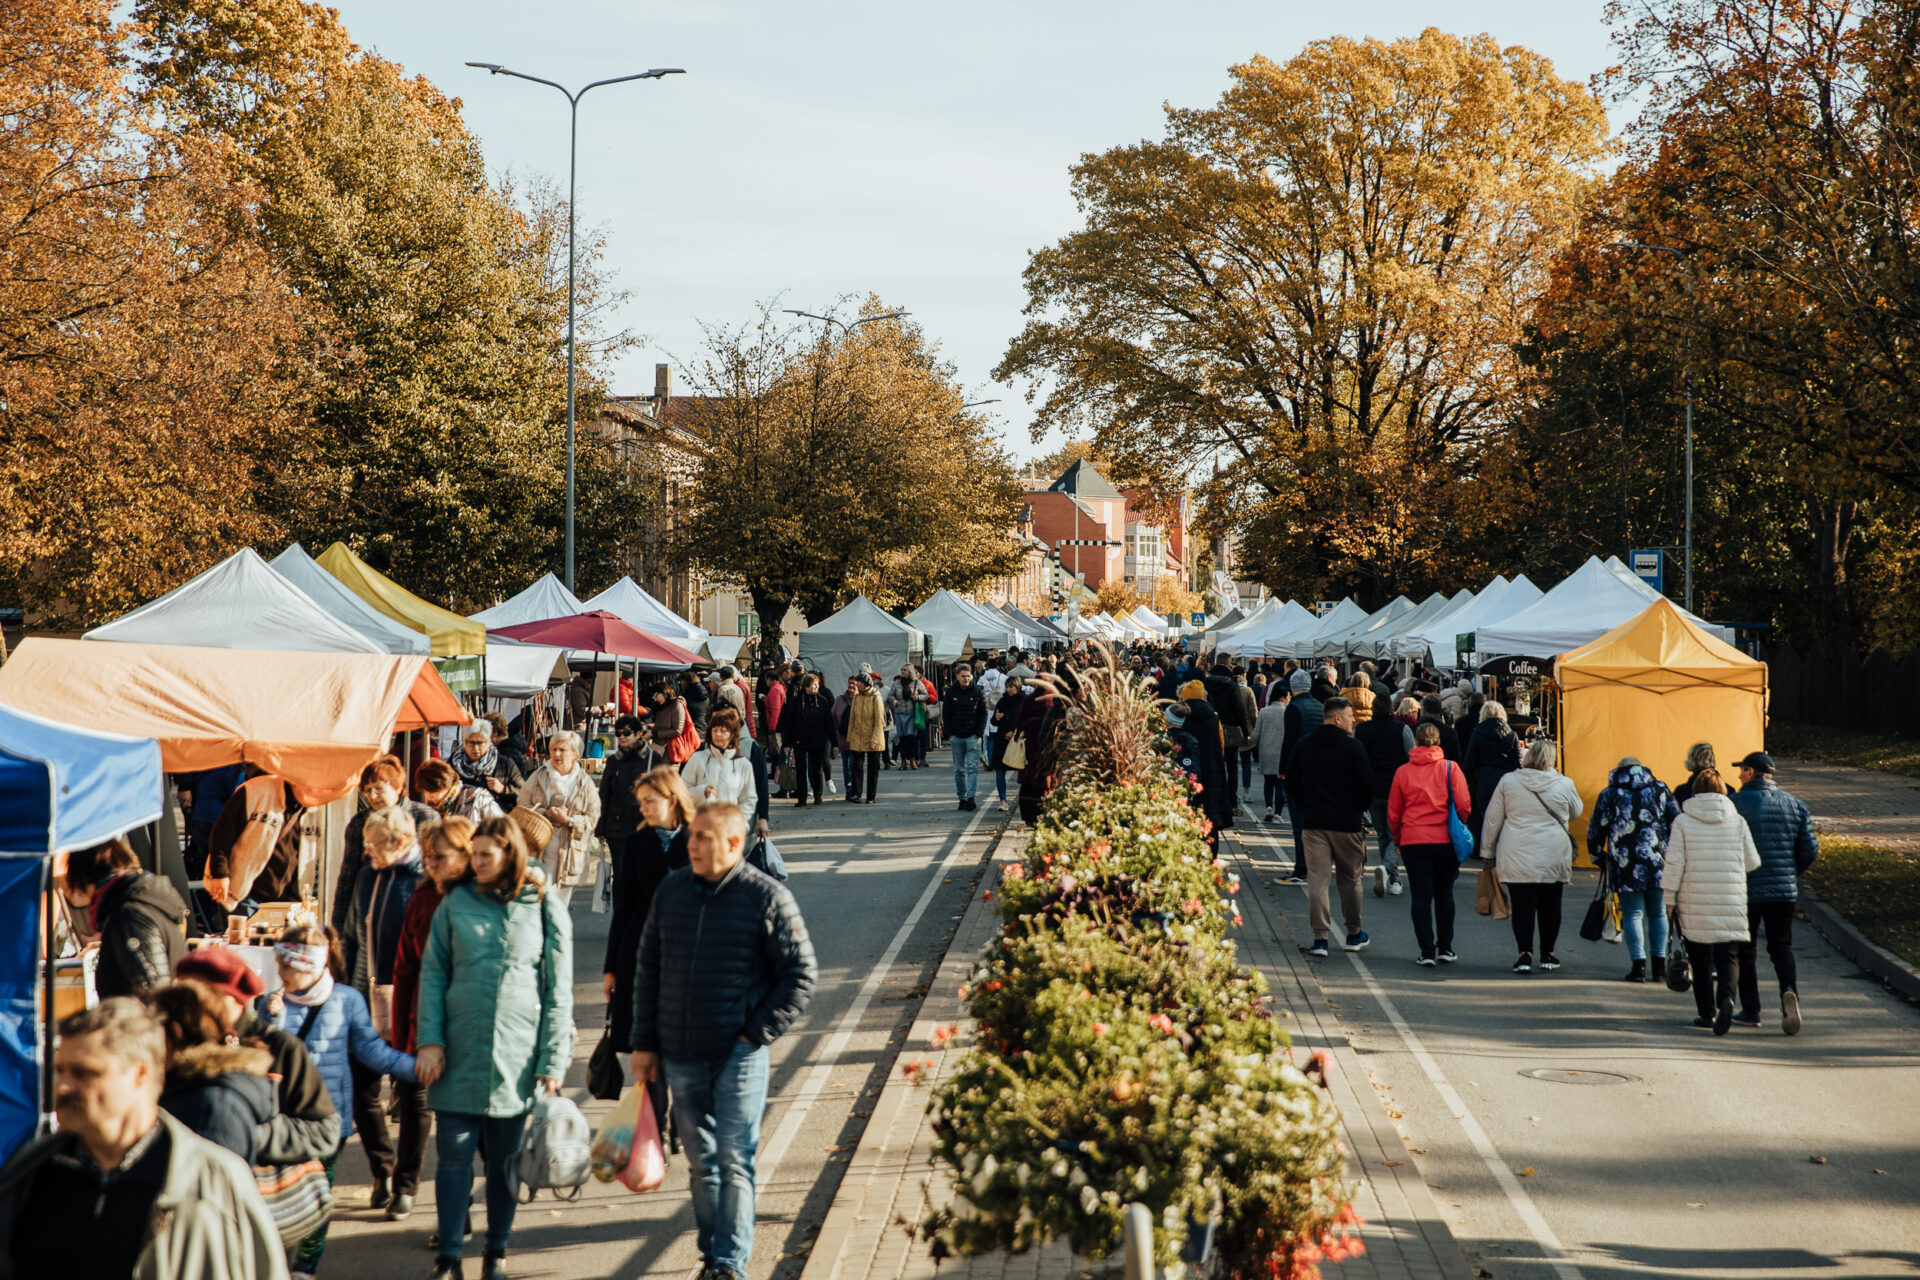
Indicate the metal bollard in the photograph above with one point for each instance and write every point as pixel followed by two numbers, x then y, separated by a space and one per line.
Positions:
pixel 1137 1243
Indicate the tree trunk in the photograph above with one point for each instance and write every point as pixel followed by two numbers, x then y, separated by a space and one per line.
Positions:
pixel 1833 531
pixel 772 613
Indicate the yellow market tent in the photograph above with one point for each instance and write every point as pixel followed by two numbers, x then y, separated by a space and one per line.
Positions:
pixel 1650 688
pixel 451 634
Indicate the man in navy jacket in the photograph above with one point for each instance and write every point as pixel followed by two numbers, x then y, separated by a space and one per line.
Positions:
pixel 725 968
pixel 1783 833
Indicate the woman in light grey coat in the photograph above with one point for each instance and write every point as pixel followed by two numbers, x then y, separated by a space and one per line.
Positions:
pixel 1525 839
pixel 1269 736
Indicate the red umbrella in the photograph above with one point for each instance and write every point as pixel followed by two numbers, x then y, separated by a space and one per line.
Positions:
pixel 603 632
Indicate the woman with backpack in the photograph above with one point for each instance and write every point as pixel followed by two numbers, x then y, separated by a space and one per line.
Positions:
pixel 1493 752
pixel 1424 791
pixel 1627 838
pixel 495 1027
pixel 316 1004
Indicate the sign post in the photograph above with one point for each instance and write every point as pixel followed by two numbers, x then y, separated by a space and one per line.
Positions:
pixel 1649 566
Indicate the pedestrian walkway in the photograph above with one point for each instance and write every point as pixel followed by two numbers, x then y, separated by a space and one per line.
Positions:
pixel 882 887
pixel 892 1181
pixel 1858 804
pixel 1572 1126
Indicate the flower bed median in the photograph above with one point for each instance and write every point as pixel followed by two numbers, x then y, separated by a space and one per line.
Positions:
pixel 1120 1052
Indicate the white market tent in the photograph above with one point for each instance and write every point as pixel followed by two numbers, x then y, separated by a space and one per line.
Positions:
pixel 516 670
pixel 953 625
pixel 1149 620
pixel 1499 599
pixel 630 602
pixel 1036 630
pixel 545 599
pixel 1223 635
pixel 1299 644
pixel 861 632
pixel 1334 642
pixel 240 603
pixel 997 623
pixel 342 605
pixel 1595 598
pixel 1251 641
pixel 1377 643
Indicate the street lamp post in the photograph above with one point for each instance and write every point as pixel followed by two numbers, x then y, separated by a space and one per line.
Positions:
pixel 1686 380
pixel 573 139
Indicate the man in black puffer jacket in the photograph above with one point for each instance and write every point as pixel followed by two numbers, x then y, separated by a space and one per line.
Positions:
pixel 966 717
pixel 1333 780
pixel 139 917
pixel 725 968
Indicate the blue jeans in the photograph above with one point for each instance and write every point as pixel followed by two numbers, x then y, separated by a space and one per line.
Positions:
pixel 1642 913
pixel 457 1138
pixel 966 766
pixel 718 1106
pixel 1276 794
pixel 849 768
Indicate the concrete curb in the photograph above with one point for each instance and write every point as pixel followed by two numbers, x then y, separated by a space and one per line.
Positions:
pixel 1897 975
pixel 871 1161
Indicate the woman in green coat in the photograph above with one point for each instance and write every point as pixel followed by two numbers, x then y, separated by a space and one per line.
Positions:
pixel 495 1024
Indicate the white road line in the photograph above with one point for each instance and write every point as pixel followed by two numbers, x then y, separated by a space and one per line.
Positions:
pixel 815 1084
pixel 1517 1196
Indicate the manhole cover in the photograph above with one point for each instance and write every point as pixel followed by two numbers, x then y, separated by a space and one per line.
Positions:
pixel 1569 1075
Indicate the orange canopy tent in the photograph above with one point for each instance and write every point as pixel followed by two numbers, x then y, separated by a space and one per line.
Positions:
pixel 1650 688
pixel 315 719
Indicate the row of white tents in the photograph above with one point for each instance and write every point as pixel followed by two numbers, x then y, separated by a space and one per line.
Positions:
pixel 292 604
pixel 1509 617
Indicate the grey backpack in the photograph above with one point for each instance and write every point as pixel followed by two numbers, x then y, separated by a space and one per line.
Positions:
pixel 557 1155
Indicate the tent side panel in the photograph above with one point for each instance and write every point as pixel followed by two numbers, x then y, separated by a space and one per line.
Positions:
pixel 20 926
pixel 1600 725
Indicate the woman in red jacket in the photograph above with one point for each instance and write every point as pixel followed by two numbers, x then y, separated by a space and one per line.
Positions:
pixel 1417 814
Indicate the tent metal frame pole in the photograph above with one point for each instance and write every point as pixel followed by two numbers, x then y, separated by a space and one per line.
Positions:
pixel 46 985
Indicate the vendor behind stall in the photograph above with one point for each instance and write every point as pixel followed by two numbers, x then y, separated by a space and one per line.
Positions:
pixel 139 918
pixel 254 853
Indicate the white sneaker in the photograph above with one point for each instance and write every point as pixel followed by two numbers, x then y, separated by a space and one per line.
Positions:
pixel 1003 806
pixel 1395 888
pixel 1267 816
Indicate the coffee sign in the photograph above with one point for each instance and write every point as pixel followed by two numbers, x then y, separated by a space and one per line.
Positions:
pixel 1509 670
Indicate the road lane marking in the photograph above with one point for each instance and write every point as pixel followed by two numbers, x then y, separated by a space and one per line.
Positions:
pixel 814 1087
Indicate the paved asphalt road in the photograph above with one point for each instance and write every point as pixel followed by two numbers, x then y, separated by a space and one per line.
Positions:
pixel 858 872
pixel 1671 1152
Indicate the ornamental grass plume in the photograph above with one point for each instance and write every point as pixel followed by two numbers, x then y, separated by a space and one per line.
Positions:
pixel 1108 736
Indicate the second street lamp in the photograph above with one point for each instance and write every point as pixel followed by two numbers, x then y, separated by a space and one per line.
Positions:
pixel 573 148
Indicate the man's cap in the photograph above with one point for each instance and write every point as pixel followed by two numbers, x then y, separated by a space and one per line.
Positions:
pixel 1758 761
pixel 224 970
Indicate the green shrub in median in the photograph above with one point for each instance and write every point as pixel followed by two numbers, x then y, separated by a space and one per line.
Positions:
pixel 1122 1054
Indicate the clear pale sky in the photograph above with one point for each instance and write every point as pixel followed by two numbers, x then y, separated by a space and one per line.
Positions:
pixel 821 148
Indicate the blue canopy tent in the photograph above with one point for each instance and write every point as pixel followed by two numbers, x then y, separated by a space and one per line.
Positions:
pixel 61 788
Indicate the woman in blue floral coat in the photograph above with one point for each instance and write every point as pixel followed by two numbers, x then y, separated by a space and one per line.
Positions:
pixel 1631 821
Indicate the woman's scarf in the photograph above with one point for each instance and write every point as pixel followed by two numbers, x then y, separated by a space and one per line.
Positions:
pixel 476 772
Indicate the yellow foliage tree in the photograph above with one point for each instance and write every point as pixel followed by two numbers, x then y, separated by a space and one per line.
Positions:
pixel 1320 280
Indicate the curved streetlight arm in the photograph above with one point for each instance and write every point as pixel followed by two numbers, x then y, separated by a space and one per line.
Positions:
pixel 573 148
pixel 844 326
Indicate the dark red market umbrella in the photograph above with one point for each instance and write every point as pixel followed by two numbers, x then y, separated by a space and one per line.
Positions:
pixel 603 632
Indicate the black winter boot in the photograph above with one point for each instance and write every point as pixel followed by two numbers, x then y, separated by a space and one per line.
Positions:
pixel 1659 968
pixel 494 1267
pixel 1637 973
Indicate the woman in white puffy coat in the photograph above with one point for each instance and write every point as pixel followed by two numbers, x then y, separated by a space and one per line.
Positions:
pixel 728 770
pixel 1709 855
pixel 1526 842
